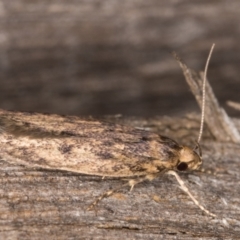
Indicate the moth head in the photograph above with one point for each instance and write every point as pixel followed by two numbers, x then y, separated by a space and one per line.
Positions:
pixel 188 160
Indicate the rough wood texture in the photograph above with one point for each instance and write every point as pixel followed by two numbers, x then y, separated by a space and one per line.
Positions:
pixel 52 205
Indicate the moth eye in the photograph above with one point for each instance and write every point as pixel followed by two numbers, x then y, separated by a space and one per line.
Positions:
pixel 182 166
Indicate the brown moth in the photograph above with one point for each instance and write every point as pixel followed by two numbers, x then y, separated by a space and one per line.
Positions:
pixel 93 147
pixel 89 146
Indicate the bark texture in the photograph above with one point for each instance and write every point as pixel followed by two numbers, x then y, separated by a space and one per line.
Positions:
pixel 37 204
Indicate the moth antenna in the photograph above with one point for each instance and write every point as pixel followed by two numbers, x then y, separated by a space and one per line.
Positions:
pixel 204 95
pixel 198 146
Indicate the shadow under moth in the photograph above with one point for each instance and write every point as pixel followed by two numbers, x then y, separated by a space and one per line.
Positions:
pixel 93 147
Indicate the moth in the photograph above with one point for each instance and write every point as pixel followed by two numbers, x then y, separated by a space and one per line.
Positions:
pixel 94 147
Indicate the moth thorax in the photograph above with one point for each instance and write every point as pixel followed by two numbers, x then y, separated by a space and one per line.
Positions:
pixel 188 159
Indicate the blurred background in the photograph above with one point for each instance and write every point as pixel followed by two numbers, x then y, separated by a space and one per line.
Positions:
pixel 103 57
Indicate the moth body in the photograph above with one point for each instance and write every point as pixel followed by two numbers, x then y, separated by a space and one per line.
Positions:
pixel 89 146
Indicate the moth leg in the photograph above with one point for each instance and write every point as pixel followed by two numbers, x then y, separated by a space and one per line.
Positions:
pixel 185 189
pixel 105 195
pixel 148 177
pixel 203 170
pixel 130 183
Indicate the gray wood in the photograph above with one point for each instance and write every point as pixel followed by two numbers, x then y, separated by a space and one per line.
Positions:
pixel 37 204
pixel 106 57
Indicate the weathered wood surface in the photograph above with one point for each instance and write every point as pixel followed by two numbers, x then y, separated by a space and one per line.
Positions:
pixel 97 57
pixel 40 204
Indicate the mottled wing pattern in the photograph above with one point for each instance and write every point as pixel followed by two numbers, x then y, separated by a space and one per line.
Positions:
pixel 83 145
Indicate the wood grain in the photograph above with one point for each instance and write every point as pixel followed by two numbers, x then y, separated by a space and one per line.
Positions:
pixel 52 204
pixel 108 57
